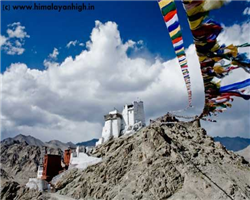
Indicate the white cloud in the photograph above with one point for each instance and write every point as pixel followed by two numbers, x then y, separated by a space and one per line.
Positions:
pixel 140 42
pixel 13 44
pixel 14 24
pixel 72 43
pixel 3 39
pixel 50 61
pixel 18 43
pixel 17 31
pixel 246 11
pixel 14 50
pixel 67 101
pixel 54 54
pixel 235 34
pixel 228 1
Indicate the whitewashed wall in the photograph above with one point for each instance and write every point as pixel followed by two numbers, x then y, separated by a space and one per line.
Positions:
pixel 107 130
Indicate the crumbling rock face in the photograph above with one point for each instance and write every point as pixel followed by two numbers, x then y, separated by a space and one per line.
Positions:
pixel 4 176
pixel 11 190
pixel 20 160
pixel 162 161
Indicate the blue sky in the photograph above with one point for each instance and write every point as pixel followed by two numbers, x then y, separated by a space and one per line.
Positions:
pixel 136 21
pixel 67 99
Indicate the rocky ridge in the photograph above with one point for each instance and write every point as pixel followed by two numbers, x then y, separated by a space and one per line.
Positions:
pixel 175 161
pixel 162 161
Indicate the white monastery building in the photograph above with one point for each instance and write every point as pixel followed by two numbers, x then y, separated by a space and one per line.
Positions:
pixel 130 120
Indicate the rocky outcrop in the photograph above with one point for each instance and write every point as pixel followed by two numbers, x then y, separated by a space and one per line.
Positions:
pixel 166 160
pixel 4 176
pixel 20 160
pixel 11 190
pixel 245 153
pixel 162 161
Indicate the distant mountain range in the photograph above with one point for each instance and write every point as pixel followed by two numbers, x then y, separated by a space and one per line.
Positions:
pixel 52 144
pixel 36 142
pixel 23 138
pixel 233 143
pixel 88 143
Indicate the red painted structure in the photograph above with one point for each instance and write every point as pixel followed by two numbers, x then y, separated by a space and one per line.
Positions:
pixel 66 157
pixel 51 166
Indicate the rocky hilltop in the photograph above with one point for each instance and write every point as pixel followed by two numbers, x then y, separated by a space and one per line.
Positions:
pixel 162 161
pixel 175 161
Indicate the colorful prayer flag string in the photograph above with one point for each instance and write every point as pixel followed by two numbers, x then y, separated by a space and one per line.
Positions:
pixel 215 60
pixel 169 12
